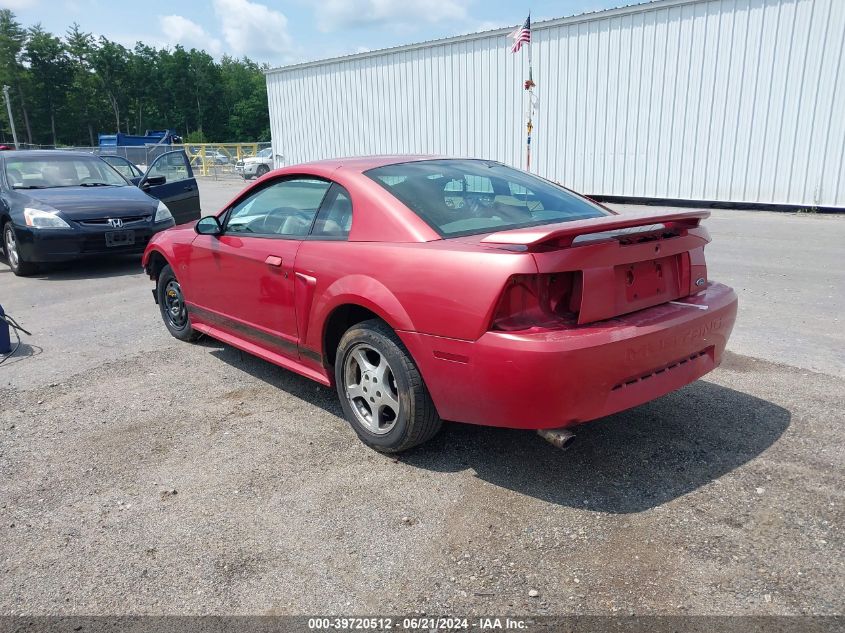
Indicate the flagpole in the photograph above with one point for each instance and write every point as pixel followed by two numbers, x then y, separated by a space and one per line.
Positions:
pixel 519 36
pixel 529 87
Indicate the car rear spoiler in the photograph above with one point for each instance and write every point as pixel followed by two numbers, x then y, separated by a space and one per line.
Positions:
pixel 562 235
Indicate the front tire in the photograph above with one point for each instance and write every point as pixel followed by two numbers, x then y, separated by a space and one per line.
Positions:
pixel 17 263
pixel 171 303
pixel 381 390
pixel 261 170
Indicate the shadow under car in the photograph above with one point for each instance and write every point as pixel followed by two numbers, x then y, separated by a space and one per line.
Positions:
pixel 629 462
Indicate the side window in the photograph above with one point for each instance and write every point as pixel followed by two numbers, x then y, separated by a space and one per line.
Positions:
pixel 286 207
pixel 123 167
pixel 335 217
pixel 173 166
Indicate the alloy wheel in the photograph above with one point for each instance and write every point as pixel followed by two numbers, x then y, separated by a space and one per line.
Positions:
pixel 370 387
pixel 11 246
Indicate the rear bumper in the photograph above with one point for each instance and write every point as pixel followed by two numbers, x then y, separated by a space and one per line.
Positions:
pixel 57 245
pixel 560 378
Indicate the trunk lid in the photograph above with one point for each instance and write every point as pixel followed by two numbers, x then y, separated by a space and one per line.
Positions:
pixel 618 263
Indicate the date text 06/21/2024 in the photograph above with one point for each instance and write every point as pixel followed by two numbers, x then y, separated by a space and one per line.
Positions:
pixel 416 623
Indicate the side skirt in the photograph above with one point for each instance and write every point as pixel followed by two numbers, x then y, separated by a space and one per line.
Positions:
pixel 249 347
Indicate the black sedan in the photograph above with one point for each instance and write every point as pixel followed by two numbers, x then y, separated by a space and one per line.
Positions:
pixel 58 205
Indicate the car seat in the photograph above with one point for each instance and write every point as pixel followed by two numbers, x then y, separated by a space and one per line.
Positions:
pixel 338 221
pixel 426 197
pixel 68 173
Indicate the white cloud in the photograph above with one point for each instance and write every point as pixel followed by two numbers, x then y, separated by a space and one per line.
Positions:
pixel 338 14
pixel 253 29
pixel 17 5
pixel 180 30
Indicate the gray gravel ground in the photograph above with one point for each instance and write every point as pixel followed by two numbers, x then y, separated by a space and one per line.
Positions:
pixel 139 474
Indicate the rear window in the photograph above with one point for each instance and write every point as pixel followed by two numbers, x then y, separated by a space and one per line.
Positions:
pixel 465 197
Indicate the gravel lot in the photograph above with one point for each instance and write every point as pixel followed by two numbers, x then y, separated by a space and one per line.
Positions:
pixel 144 475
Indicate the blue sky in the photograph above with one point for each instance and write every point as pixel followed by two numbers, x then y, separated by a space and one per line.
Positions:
pixel 283 32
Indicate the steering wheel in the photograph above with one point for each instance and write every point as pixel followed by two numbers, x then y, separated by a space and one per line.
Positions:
pixel 272 221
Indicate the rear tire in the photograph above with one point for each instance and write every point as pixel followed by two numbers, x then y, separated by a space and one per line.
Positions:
pixel 15 259
pixel 381 390
pixel 171 303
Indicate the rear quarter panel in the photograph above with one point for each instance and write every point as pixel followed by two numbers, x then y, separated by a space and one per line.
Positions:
pixel 439 288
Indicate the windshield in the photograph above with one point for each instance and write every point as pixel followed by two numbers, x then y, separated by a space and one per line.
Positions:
pixel 47 172
pixel 264 153
pixel 463 197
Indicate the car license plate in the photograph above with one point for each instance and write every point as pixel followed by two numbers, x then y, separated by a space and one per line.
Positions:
pixel 120 238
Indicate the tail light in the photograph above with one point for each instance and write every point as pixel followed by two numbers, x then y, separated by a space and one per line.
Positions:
pixel 538 301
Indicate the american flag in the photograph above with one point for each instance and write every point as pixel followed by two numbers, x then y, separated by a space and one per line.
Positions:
pixel 521 35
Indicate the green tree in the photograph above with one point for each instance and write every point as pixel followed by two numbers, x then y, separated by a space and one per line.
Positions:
pixel 204 77
pixel 83 93
pixel 245 99
pixel 12 71
pixel 110 63
pixel 49 69
pixel 67 89
pixel 144 79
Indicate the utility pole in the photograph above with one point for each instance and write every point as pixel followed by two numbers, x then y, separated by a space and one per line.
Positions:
pixel 11 118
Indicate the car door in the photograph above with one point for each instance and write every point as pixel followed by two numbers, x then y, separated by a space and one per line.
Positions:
pixel 179 190
pixel 243 279
pixel 125 168
pixel 322 253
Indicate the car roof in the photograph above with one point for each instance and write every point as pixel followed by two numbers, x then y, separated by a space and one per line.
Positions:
pixel 48 153
pixel 363 163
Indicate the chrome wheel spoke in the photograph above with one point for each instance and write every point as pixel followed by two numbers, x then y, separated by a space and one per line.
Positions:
pixel 382 372
pixel 11 247
pixel 370 388
pixel 355 391
pixel 360 357
pixel 389 400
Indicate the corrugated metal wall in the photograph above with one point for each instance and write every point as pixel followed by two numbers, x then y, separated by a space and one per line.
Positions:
pixel 724 100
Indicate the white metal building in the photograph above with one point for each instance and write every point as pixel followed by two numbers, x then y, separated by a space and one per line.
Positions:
pixel 715 100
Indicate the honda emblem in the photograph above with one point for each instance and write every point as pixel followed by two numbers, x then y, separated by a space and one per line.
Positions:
pixel 115 223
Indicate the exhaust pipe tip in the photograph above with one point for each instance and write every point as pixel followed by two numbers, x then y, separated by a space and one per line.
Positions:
pixel 562 438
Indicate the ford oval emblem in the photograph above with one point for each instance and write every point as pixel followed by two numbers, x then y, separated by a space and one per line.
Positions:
pixel 700 282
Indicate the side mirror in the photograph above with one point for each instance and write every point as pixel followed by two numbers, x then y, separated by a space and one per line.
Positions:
pixel 152 181
pixel 209 225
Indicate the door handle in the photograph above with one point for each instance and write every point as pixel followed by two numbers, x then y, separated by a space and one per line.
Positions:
pixel 188 188
pixel 272 260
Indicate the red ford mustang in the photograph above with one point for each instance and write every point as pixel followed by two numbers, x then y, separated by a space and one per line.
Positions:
pixel 431 289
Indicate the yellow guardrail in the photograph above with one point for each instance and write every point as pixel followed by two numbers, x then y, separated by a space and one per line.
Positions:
pixel 211 158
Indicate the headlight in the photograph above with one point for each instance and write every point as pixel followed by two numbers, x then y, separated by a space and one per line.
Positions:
pixel 162 213
pixel 41 219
